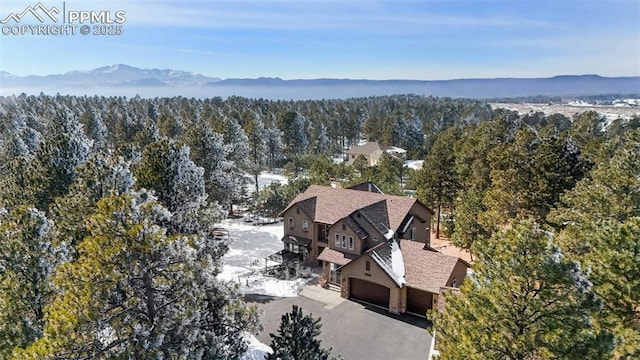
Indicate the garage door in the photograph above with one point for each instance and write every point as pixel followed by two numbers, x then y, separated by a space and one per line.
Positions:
pixel 369 292
pixel 418 301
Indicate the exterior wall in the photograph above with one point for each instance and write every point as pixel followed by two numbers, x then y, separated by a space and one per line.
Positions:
pixel 337 229
pixel 459 273
pixel 423 231
pixel 357 269
pixel 352 157
pixel 298 216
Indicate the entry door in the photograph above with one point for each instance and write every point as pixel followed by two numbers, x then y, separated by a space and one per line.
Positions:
pixel 334 275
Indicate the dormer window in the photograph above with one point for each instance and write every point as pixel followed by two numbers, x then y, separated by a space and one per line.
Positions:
pixel 453 282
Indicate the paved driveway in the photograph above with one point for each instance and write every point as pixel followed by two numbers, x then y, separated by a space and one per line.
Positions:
pixel 355 330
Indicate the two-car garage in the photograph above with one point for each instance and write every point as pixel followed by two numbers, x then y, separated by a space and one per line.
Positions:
pixel 369 292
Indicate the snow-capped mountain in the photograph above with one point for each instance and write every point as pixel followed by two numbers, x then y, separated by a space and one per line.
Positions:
pixel 127 80
pixel 114 75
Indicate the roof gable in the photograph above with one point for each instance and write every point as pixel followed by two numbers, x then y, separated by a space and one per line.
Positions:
pixel 308 207
pixel 366 186
pixel 377 215
pixel 388 257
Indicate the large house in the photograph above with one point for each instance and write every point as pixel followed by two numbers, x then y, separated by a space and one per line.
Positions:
pixel 375 247
pixel 372 152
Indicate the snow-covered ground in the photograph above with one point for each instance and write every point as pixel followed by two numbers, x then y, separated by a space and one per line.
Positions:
pixel 257 350
pixel 611 112
pixel 246 257
pixel 264 180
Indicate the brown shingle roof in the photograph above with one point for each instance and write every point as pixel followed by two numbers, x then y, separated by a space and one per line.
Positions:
pixel 425 269
pixel 362 233
pixel 308 207
pixel 333 204
pixel 335 256
pixel 366 149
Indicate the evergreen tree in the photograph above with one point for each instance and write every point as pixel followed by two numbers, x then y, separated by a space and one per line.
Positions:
pixel 100 176
pixel 178 182
pixel 526 300
pixel 65 147
pixel 135 292
pixel 388 173
pixel 599 223
pixel 297 338
pixel 256 134
pixel 27 263
pixel 438 181
pixel 274 146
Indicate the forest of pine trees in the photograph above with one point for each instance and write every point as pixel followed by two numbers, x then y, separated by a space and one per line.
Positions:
pixel 107 206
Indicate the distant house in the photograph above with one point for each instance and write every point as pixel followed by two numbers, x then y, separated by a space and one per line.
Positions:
pixel 372 152
pixel 375 247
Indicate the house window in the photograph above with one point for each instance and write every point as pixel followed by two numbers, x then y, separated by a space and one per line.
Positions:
pixel 375 239
pixel 344 227
pixel 350 242
pixel 297 210
pixel 453 282
pixel 337 240
pixel 344 241
pixel 367 265
pixel 305 225
pixel 412 233
pixel 291 223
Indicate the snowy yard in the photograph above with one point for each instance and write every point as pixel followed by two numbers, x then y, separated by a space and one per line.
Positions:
pixel 246 257
pixel 250 245
pixel 265 179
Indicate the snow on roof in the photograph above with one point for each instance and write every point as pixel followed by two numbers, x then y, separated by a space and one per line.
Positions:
pixel 389 258
pixel 389 234
pixel 394 149
pixel 414 164
pixel 397 262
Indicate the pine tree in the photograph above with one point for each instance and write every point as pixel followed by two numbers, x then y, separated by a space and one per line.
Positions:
pixel 65 147
pixel 599 220
pixel 135 292
pixel 438 181
pixel 297 338
pixel 526 300
pixel 178 182
pixel 27 263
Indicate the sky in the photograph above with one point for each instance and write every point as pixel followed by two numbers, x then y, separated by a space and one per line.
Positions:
pixel 358 39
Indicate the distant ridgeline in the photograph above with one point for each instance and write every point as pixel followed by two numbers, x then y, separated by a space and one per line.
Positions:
pixel 130 81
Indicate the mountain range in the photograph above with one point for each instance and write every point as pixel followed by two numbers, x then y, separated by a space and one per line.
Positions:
pixel 129 81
